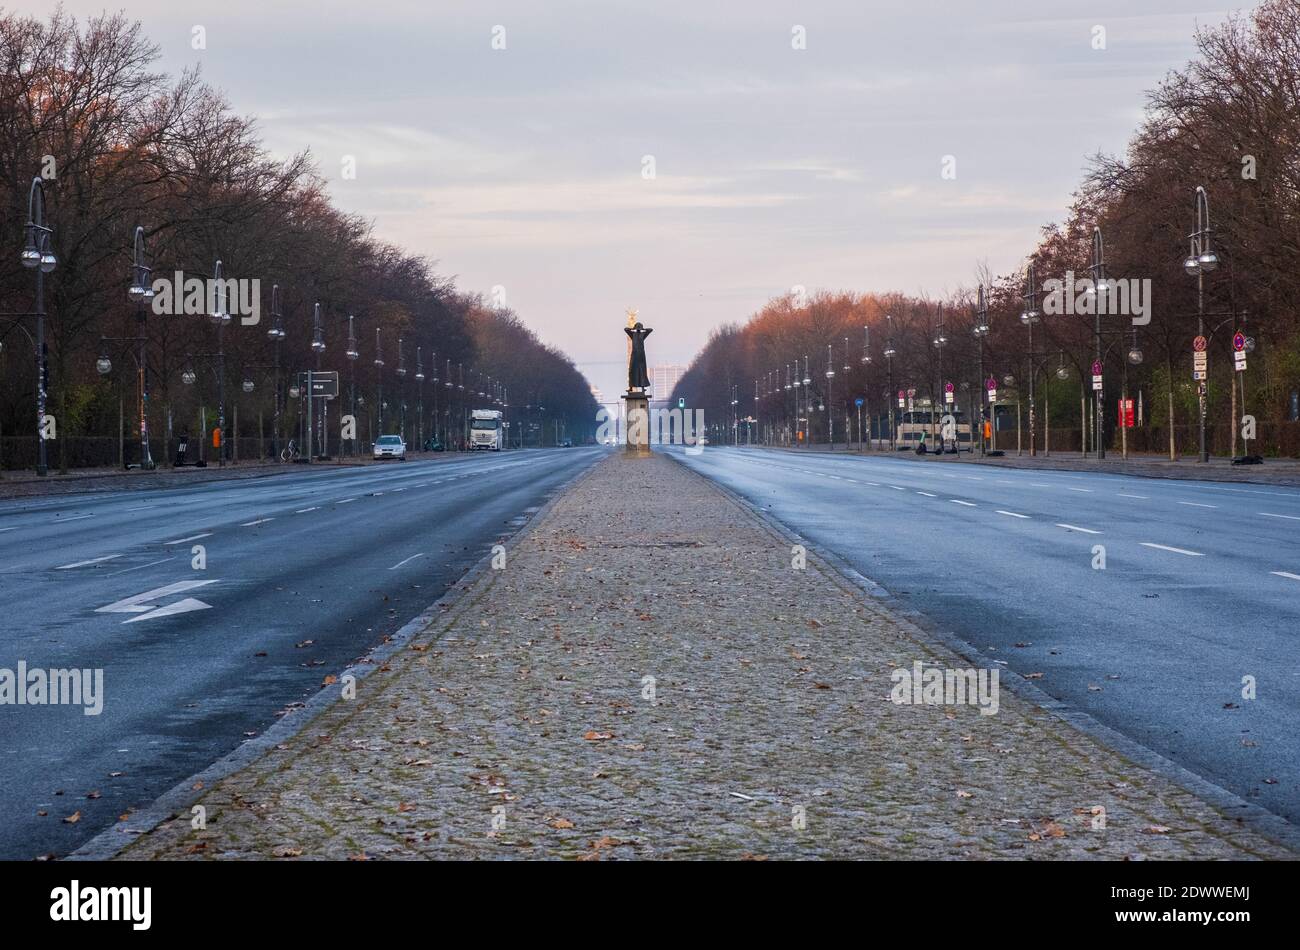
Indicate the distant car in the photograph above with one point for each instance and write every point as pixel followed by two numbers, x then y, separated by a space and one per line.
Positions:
pixel 566 443
pixel 390 447
pixel 433 445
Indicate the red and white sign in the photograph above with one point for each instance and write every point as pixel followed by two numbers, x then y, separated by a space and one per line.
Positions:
pixel 1239 341
pixel 1096 367
pixel 1126 413
pixel 1199 344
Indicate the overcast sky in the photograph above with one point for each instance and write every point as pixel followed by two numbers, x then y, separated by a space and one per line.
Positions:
pixel 524 167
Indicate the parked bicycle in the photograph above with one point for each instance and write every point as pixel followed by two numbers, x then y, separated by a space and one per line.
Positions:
pixel 290 452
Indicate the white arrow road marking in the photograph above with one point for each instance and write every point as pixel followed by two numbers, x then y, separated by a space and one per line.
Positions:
pixel 141 603
pixel 180 607
pixel 1165 547
pixel 93 560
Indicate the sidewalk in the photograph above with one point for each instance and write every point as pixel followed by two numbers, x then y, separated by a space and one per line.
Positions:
pixel 1284 472
pixel 649 677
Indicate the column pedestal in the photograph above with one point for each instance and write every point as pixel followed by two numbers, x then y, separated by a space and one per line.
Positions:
pixel 636 427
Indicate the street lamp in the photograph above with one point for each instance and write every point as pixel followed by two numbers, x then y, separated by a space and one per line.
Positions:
pixel 890 352
pixel 275 334
pixel 1099 287
pixel 866 385
pixel 830 412
pixel 1029 316
pixel 39 256
pixel 220 316
pixel 981 334
pixel 353 354
pixel 1200 261
pixel 379 377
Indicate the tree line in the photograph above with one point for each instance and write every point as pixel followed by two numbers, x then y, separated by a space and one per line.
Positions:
pixel 118 145
pixel 1227 122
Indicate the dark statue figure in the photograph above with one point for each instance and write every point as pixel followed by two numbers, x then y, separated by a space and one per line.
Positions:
pixel 638 376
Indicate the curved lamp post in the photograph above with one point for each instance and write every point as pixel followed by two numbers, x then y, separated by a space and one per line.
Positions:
pixel 1029 316
pixel 1200 260
pixel 38 255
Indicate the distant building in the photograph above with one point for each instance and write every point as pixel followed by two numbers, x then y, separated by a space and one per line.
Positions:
pixel 663 378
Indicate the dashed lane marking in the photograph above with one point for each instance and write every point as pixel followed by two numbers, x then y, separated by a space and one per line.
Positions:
pixel 1165 547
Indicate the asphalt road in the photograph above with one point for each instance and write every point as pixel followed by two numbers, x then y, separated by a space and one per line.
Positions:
pixel 304 573
pixel 1201 588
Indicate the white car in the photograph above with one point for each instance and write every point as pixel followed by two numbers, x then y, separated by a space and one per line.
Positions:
pixel 390 447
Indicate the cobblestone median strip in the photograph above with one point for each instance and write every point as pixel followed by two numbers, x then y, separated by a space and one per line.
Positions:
pixel 650 675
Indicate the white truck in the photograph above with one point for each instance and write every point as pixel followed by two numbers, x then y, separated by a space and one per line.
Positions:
pixel 485 430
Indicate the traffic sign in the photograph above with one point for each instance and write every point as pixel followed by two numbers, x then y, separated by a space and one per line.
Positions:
pixel 993 394
pixel 324 383
pixel 991 385
pixel 948 396
pixel 947 387
pixel 1096 367
pixel 1198 374
pixel 1199 344
pixel 1239 341
pixel 1096 383
pixel 858 402
pixel 1239 361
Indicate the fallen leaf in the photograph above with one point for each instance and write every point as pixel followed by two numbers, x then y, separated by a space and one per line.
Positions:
pixel 73 818
pixel 591 735
pixel 560 823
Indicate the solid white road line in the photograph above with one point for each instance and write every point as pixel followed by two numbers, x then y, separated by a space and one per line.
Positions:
pixel 141 508
pixel 968 504
pixel 1196 504
pixel 898 488
pixel 93 560
pixel 1266 514
pixel 407 561
pixel 1011 514
pixel 1165 547
pixel 1143 497
pixel 344 501
pixel 1087 490
pixel 73 518
pixel 193 537
pixel 1075 527
pixel 927 494
pixel 14 528
pixel 1294 577
pixel 249 524
pixel 303 511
